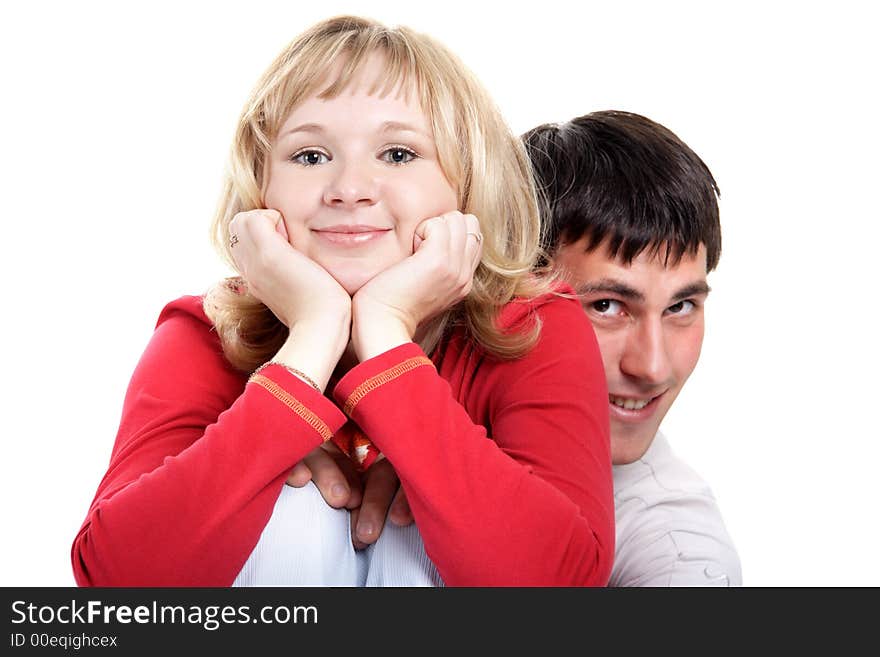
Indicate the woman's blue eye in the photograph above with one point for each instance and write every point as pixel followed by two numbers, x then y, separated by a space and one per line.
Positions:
pixel 398 155
pixel 310 158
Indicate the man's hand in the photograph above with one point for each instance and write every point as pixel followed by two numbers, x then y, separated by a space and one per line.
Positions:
pixel 383 497
pixel 370 497
pixel 333 473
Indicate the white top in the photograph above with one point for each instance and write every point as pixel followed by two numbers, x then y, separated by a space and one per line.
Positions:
pixel 669 527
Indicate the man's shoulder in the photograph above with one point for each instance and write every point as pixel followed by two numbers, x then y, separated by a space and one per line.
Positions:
pixel 659 473
pixel 669 526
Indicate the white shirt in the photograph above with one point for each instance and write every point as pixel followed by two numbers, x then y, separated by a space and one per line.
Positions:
pixel 669 527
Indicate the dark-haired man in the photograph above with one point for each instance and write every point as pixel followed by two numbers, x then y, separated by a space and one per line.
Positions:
pixel 631 221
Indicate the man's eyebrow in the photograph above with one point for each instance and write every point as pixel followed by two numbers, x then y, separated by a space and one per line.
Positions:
pixel 692 290
pixel 621 289
pixel 611 286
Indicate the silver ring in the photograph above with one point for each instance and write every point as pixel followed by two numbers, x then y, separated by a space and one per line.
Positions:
pixel 478 236
pixel 233 240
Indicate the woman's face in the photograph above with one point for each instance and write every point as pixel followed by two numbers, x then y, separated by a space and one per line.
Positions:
pixel 353 176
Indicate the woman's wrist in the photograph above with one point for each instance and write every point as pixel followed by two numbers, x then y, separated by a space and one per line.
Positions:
pixel 312 350
pixel 297 373
pixel 371 336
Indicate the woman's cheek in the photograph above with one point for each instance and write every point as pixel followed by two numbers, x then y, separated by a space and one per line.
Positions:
pixel 298 237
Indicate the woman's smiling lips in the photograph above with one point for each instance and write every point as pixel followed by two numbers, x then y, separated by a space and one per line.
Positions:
pixel 350 234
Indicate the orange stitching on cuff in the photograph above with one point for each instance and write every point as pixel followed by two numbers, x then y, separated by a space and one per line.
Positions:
pixel 293 404
pixel 382 378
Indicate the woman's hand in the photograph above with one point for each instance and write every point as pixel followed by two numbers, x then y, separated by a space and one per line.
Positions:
pixel 294 287
pixel 387 310
pixel 301 293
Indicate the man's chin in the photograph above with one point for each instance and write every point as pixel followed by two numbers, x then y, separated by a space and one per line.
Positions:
pixel 629 444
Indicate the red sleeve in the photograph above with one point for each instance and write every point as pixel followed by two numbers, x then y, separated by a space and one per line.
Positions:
pixel 533 506
pixel 198 462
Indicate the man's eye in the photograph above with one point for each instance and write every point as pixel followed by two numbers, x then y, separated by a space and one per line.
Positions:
pixel 310 158
pixel 606 307
pixel 398 155
pixel 681 308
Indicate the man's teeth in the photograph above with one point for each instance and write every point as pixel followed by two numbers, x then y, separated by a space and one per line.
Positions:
pixel 629 404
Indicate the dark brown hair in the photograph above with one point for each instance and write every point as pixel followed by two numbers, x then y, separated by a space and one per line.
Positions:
pixel 623 178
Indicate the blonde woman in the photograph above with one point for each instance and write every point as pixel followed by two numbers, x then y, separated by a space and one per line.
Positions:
pixel 383 221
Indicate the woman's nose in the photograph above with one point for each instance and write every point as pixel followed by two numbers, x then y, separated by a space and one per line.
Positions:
pixel 350 186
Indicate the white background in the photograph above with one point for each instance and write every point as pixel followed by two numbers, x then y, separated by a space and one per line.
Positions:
pixel 116 119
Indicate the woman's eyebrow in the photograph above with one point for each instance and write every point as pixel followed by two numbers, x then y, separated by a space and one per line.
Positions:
pixel 305 127
pixel 398 126
pixel 387 126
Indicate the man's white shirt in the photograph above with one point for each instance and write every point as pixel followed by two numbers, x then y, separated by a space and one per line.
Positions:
pixel 669 528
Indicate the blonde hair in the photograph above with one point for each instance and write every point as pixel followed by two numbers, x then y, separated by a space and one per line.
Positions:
pixel 477 152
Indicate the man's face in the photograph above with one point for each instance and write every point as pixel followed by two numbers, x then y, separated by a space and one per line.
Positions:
pixel 648 319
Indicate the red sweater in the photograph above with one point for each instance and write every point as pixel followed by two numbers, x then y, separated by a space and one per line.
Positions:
pixel 201 455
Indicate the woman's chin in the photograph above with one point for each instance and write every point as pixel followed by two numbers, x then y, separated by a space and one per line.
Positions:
pixel 351 288
pixel 352 274
pixel 351 282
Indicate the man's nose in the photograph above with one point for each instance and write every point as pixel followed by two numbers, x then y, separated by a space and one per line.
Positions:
pixel 646 356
